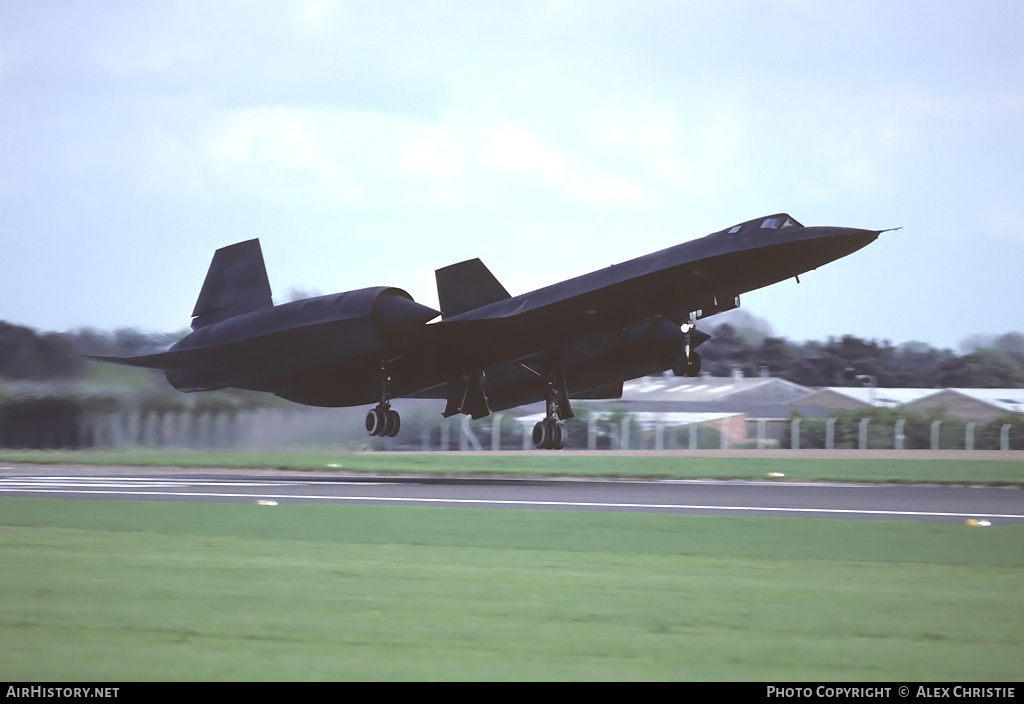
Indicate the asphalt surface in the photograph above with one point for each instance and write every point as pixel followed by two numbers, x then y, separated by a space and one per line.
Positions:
pixel 703 497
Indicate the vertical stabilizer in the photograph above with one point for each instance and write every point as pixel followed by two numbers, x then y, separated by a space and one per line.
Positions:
pixel 467 286
pixel 236 283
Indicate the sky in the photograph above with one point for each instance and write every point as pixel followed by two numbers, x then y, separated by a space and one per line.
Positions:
pixel 369 143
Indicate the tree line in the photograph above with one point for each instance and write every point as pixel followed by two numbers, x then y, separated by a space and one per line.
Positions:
pixel 988 362
pixel 991 362
pixel 29 355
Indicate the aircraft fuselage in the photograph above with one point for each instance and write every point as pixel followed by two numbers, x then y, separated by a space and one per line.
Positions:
pixel 582 337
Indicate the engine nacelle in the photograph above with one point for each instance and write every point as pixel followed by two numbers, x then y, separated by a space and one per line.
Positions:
pixel 254 350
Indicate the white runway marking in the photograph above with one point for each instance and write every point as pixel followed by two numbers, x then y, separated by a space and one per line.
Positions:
pixel 526 503
pixel 75 483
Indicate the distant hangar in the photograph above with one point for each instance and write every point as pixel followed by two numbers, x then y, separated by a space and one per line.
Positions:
pixel 775 398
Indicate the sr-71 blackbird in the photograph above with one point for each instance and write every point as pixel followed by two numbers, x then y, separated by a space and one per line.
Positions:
pixel 578 339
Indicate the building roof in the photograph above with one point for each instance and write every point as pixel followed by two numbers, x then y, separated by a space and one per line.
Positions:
pixel 866 396
pixel 771 397
pixel 756 397
pixel 649 419
pixel 1008 400
pixel 709 389
pixel 972 404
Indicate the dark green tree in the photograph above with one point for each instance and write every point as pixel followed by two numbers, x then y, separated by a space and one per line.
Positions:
pixel 984 368
pixel 24 354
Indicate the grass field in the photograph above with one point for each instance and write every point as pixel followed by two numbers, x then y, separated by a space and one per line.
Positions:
pixel 98 590
pixel 755 466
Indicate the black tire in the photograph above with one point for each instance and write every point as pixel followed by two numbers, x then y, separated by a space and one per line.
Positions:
pixel 542 435
pixel 394 423
pixel 376 421
pixel 559 436
pixel 680 365
pixel 693 366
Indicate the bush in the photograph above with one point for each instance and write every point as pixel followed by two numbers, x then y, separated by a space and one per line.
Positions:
pixel 45 423
pixel 917 430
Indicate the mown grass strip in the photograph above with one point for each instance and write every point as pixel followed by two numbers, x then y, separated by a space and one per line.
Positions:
pixel 545 464
pixel 135 591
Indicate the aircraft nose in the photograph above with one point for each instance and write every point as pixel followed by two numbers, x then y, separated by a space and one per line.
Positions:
pixel 848 234
pixel 841 241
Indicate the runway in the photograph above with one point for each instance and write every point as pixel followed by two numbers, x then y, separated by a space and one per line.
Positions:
pixel 703 497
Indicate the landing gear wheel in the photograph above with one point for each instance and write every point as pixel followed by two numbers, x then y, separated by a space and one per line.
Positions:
pixel 377 421
pixel 542 435
pixel 680 365
pixel 683 366
pixel 392 424
pixel 693 365
pixel 549 435
pixel 558 436
pixel 383 422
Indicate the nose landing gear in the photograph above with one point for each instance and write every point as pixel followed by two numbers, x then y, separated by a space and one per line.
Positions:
pixel 687 361
pixel 686 365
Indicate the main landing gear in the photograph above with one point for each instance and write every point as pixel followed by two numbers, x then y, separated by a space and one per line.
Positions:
pixel 550 434
pixel 687 361
pixel 383 420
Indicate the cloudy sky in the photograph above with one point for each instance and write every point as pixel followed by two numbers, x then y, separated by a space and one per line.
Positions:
pixel 368 143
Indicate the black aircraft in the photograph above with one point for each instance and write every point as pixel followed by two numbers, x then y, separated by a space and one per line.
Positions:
pixel 578 339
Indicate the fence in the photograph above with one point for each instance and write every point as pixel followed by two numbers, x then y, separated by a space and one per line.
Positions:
pixel 900 434
pixel 266 429
pixel 424 431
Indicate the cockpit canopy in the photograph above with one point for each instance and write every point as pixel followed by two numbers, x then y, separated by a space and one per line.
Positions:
pixel 779 221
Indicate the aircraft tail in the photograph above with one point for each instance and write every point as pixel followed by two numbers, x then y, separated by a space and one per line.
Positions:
pixel 467 286
pixel 236 283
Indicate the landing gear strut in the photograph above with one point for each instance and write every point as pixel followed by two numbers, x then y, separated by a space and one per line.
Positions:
pixel 383 420
pixel 550 434
pixel 687 361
